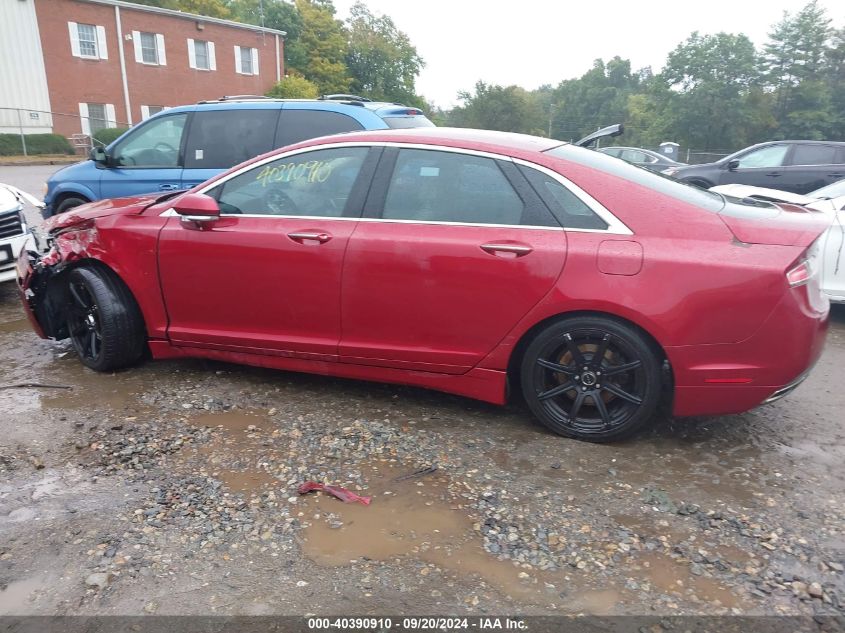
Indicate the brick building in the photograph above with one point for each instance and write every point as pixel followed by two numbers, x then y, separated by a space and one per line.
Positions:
pixel 75 66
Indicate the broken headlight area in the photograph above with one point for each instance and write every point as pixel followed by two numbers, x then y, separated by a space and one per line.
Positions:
pixel 42 268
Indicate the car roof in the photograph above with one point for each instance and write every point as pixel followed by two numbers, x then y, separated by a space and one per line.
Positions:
pixel 349 106
pixel 490 140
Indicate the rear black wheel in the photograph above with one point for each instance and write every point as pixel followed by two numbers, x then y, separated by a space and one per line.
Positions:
pixel 104 322
pixel 591 378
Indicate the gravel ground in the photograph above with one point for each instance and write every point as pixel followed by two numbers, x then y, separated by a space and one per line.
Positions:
pixel 171 488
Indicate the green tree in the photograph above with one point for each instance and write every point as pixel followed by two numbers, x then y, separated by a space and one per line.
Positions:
pixel 275 14
pixel 210 8
pixel 294 87
pixel 382 61
pixel 713 74
pixel 509 109
pixel 796 57
pixel 324 40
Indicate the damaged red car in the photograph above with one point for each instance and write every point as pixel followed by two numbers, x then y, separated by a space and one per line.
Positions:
pixel 477 263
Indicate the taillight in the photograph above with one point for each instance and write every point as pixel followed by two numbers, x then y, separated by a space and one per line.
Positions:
pixel 806 268
pixel 799 275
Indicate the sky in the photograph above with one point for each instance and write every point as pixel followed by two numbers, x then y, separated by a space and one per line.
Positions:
pixel 534 42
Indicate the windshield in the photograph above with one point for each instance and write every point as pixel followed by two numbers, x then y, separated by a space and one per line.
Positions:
pixel 829 191
pixel 690 194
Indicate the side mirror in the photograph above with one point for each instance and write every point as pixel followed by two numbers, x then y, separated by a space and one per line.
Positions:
pixel 734 164
pixel 98 155
pixel 197 208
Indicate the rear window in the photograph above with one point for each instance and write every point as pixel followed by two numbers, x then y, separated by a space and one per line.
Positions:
pixel 404 122
pixel 689 194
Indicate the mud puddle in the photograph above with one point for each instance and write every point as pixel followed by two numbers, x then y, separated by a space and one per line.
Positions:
pixel 15 598
pixel 417 519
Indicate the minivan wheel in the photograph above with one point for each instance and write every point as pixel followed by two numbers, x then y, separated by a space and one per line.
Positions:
pixel 104 322
pixel 68 203
pixel 591 378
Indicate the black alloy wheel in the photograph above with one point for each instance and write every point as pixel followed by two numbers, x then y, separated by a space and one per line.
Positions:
pixel 591 378
pixel 103 319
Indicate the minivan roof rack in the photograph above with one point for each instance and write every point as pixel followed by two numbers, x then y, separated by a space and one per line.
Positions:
pixel 236 98
pixel 343 97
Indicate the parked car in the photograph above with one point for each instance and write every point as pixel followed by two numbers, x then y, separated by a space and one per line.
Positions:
pixel 13 228
pixel 829 200
pixel 796 166
pixel 456 260
pixel 655 161
pixel 184 146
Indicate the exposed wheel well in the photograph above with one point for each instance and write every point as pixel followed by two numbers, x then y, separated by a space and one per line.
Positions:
pixel 56 296
pixel 519 349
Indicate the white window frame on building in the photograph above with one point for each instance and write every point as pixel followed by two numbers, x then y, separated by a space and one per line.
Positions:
pixel 160 54
pixel 240 51
pixel 195 50
pixel 86 118
pixel 149 110
pixel 84 37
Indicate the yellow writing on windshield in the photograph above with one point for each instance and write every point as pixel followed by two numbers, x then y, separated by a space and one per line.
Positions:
pixel 312 171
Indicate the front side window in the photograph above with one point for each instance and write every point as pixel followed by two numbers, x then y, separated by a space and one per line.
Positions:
pixel 154 144
pixel 87 40
pixel 765 157
pixel 97 118
pixel 201 54
pixel 149 49
pixel 814 155
pixel 314 183
pixel 436 186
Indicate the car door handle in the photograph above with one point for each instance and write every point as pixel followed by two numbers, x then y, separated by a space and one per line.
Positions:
pixel 774 174
pixel 506 250
pixel 168 186
pixel 308 236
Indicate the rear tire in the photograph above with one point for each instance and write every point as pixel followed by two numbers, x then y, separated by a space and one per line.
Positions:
pixel 591 378
pixel 104 322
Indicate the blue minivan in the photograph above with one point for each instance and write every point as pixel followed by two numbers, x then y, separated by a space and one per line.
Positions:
pixel 181 147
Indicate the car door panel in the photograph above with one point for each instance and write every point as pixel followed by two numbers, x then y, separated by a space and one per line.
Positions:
pixel 245 284
pixel 431 297
pixel 265 277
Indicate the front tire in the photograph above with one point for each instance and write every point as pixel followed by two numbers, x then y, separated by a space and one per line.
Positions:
pixel 69 203
pixel 591 378
pixel 104 322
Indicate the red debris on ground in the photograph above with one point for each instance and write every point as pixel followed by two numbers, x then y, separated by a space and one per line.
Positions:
pixel 347 496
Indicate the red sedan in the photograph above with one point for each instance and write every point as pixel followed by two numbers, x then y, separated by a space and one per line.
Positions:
pixel 458 260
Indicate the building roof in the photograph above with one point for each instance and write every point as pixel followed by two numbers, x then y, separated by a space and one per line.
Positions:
pixel 185 16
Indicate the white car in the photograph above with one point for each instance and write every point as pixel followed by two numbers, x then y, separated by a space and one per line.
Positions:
pixel 13 228
pixel 829 200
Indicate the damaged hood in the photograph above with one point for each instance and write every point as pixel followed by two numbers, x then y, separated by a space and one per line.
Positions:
pixel 93 210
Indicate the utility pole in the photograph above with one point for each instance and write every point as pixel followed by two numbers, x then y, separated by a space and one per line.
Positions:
pixel 551 114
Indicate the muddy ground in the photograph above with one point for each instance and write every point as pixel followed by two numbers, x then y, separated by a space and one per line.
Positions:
pixel 171 489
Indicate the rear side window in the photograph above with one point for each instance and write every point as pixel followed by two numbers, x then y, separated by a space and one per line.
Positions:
pixel 568 208
pixel 814 155
pixel 219 139
pixel 301 125
pixel 435 186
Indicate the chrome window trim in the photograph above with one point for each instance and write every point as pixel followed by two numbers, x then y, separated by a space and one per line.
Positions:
pixel 614 225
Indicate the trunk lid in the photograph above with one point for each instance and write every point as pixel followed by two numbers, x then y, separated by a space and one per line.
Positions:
pixel 775 224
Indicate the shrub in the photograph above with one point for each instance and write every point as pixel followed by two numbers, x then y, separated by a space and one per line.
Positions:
pixel 294 87
pixel 107 135
pixel 10 144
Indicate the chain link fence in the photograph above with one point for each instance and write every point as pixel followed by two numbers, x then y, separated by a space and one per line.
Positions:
pixel 25 132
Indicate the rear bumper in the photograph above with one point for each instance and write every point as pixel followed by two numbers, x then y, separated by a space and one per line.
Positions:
pixel 732 378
